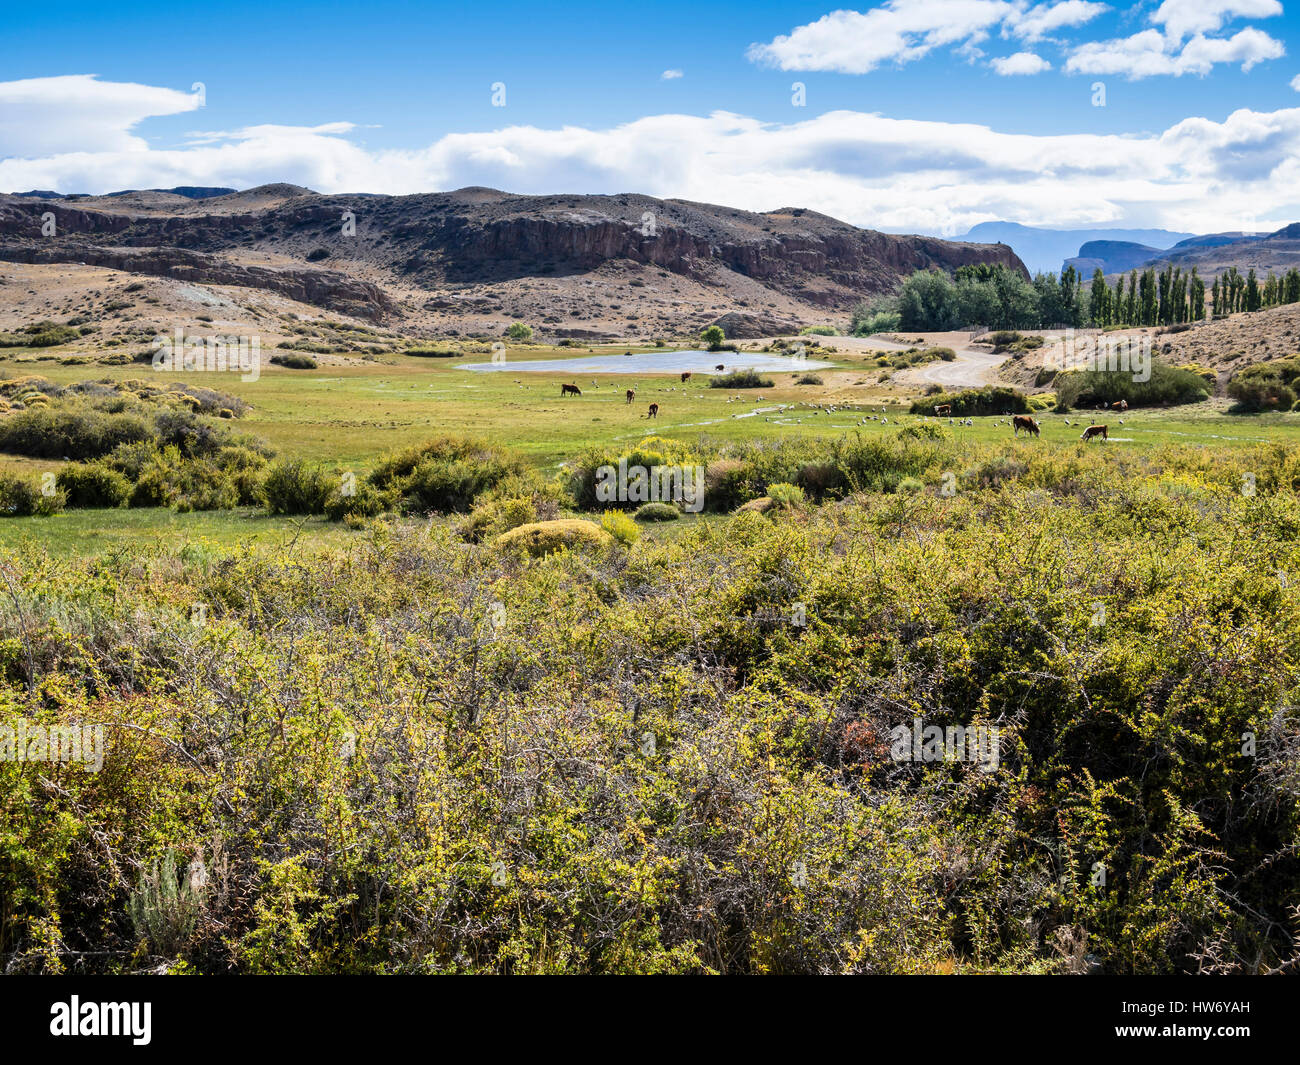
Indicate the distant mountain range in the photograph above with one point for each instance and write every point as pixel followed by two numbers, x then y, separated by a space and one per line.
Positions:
pixel 1046 250
pixel 190 192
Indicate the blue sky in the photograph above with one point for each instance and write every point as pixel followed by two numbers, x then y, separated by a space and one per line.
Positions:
pixel 912 119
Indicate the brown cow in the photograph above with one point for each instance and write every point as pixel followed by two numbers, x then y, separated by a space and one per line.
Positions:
pixel 1120 404
pixel 654 411
pixel 630 395
pixel 942 409
pixel 1023 421
pixel 686 376
pixel 570 390
pixel 1095 430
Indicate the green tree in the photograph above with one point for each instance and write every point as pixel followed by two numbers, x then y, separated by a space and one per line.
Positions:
pixel 713 337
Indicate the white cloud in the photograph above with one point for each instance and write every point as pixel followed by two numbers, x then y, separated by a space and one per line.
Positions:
pixel 852 42
pixel 867 169
pixel 670 75
pixel 1021 63
pixel 1181 18
pixel 1039 21
pixel 76 112
pixel 1151 53
pixel 1295 83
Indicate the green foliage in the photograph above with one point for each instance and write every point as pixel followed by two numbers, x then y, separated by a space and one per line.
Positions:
pixel 94 485
pixel 789 496
pixel 294 362
pixel 1266 385
pixel 712 337
pixel 165 907
pixel 1167 386
pixel 971 402
pixel 547 537
pixel 447 474
pixel 654 512
pixel 878 317
pixel 621 527
pixel 39 335
pixel 296 487
pixel 519 331
pixel 740 379
pixel 818 330
pixel 22 497
pixel 416 754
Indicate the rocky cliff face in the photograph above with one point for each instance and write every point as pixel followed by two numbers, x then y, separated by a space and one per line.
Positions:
pixel 480 247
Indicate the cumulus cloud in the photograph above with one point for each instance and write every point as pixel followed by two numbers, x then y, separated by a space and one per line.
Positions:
pixel 1182 38
pixel 1295 83
pixel 853 42
pixel 77 112
pixel 1150 53
pixel 1037 22
pixel 670 75
pixel 900 31
pixel 1181 18
pixel 869 169
pixel 1021 63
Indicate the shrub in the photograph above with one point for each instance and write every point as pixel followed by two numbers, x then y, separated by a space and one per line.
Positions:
pixel 365 502
pixel 295 487
pixel 648 512
pixel 740 379
pixel 924 431
pixel 789 496
pixel 93 486
pixel 987 400
pixel 72 433
pixel 318 254
pixel 620 527
pixel 447 474
pixel 1266 385
pixel 1167 386
pixel 808 379
pixel 519 331
pixel 547 537
pixel 22 497
pixel 818 330
pixel 294 362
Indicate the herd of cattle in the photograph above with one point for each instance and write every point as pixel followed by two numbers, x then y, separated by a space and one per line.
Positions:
pixel 1019 422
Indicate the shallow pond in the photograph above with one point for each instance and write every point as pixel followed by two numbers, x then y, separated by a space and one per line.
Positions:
pixel 652 362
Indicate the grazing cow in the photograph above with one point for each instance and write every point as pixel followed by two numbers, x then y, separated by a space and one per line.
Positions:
pixel 570 390
pixel 630 395
pixel 1095 430
pixel 1121 404
pixel 686 376
pixel 654 411
pixel 720 367
pixel 942 409
pixel 1023 421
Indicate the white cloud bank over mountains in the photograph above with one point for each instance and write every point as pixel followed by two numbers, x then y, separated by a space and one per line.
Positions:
pixel 868 169
pixel 902 31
